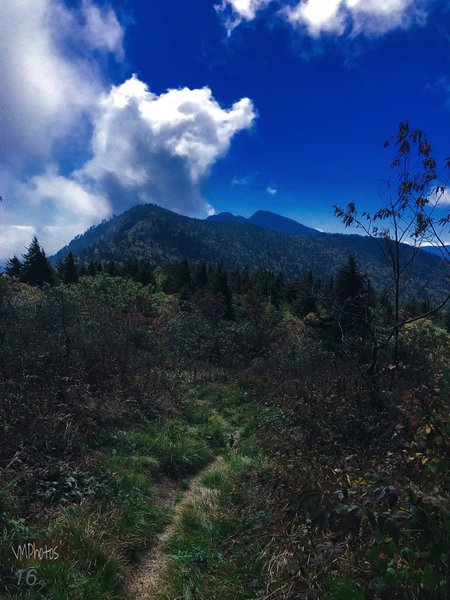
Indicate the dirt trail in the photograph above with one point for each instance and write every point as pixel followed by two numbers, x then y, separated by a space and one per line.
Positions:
pixel 147 573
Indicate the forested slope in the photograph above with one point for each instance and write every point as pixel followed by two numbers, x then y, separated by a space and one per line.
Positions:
pixel 162 236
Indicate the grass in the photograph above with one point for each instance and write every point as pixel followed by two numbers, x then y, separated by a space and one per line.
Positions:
pixel 178 448
pixel 107 531
pixel 204 562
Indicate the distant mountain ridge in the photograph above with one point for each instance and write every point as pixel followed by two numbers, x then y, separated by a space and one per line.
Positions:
pixel 437 250
pixel 150 232
pixel 267 220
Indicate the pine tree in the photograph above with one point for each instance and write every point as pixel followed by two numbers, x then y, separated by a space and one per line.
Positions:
pixel 184 273
pixel 350 297
pixel 219 285
pixel 178 278
pixel 68 270
pixel 200 276
pixel 111 268
pixel 36 269
pixel 144 273
pixel 13 267
pixel 91 269
pixel 349 282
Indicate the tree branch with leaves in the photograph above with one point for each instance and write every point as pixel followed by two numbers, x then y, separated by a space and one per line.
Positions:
pixel 406 220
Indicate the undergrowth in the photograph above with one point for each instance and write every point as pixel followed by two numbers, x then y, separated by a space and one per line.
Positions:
pixel 106 517
pixel 206 559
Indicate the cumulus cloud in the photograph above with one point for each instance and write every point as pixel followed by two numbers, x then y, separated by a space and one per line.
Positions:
pixel 236 11
pixel 158 148
pixel 338 17
pixel 145 148
pixel 46 86
pixel 101 29
pixel 317 16
pixel 368 17
pixel 137 146
pixel 71 196
pixel 271 190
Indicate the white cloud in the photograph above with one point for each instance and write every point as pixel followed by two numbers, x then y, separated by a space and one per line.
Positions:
pixel 69 195
pixel 102 30
pixel 158 148
pixel 49 80
pixel 236 11
pixel 246 9
pixel 355 17
pixel 271 190
pixel 238 181
pixel 444 199
pixel 317 17
pixel 145 148
pixel 55 100
pixel 13 239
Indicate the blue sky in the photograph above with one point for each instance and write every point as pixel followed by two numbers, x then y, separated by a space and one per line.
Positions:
pixel 210 105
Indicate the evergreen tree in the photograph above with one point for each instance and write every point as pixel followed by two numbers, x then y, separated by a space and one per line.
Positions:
pixel 349 282
pixel 91 268
pixel 184 273
pixel 178 277
pixel 144 273
pixel 447 320
pixel 36 269
pixel 411 306
pixel 200 276
pixel 13 267
pixel 111 268
pixel 350 300
pixel 68 270
pixel 219 285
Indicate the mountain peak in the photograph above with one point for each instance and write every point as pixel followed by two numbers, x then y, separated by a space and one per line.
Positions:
pixel 265 219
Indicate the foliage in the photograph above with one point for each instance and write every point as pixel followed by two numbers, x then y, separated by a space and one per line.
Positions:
pixel 142 386
pixel 154 236
pixel 35 269
pixel 406 215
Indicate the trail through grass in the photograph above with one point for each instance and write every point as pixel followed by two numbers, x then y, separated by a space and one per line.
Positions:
pixel 145 577
pixel 154 514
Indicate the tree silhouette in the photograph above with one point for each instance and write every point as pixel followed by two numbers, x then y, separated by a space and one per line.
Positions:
pixel 13 267
pixel 68 270
pixel 36 269
pixel 406 219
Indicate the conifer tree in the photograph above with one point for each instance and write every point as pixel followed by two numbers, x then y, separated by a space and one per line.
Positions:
pixel 91 268
pixel 350 282
pixel 144 273
pixel 178 277
pixel 36 269
pixel 219 285
pixel 13 267
pixel 68 270
pixel 111 268
pixel 200 276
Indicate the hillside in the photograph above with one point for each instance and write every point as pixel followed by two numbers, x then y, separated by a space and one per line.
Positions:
pixel 437 250
pixel 267 220
pixel 161 236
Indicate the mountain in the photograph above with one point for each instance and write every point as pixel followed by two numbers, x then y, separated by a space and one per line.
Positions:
pixel 438 251
pixel 161 236
pixel 227 217
pixel 267 220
